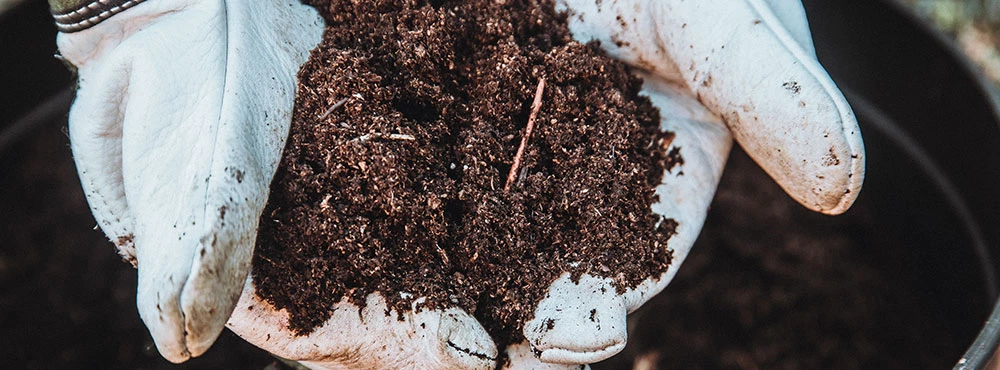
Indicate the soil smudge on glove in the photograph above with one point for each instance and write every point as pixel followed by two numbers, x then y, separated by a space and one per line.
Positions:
pixel 400 187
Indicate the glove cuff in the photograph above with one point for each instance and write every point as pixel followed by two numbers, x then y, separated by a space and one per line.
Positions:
pixel 78 15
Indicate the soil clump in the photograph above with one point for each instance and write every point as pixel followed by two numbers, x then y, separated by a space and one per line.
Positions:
pixel 408 118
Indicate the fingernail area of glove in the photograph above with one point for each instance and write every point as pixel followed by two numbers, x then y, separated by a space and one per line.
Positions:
pixel 578 322
pixel 521 357
pixel 466 342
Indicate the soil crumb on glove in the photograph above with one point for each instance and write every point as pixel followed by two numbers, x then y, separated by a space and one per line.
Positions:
pixel 400 187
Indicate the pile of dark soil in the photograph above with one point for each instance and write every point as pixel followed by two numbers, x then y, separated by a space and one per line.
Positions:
pixel 408 121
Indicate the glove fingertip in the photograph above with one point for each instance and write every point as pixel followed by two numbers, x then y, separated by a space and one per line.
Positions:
pixel 580 321
pixel 808 140
pixel 465 343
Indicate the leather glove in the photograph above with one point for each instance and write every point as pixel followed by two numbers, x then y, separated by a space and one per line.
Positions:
pixel 743 69
pixel 181 114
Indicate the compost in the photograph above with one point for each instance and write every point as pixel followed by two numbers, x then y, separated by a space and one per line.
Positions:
pixel 399 173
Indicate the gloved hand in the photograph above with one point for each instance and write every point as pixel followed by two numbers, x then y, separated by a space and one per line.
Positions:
pixel 177 129
pixel 716 69
pixel 181 115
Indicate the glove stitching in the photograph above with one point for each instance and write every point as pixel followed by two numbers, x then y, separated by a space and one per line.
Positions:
pixel 91 14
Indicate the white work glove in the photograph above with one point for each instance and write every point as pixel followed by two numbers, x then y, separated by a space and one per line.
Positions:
pixel 177 129
pixel 743 69
pixel 180 119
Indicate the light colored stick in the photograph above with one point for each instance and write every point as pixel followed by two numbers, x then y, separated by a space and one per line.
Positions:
pixel 535 106
pixel 336 105
pixel 377 135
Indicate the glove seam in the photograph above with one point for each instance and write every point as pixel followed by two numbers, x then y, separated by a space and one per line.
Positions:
pixel 90 14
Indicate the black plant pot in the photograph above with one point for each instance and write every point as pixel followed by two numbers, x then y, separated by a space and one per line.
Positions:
pixel 931 127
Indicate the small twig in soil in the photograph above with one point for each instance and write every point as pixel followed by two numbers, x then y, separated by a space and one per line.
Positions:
pixel 376 136
pixel 535 106
pixel 338 104
pixel 444 256
pixel 326 202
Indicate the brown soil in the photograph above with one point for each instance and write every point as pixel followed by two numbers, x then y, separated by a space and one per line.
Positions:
pixel 401 188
